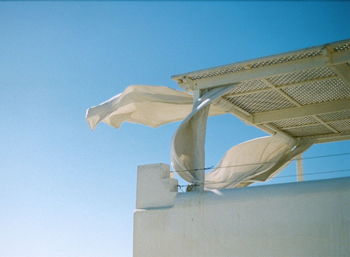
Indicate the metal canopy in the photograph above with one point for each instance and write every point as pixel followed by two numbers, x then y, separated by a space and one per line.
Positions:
pixel 304 94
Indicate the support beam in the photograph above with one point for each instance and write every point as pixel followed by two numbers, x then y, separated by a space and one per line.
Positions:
pixel 325 124
pixel 329 138
pixel 301 111
pixel 199 142
pixel 246 117
pixel 280 92
pixel 340 57
pixel 234 109
pixel 252 73
pixel 192 132
pixel 260 90
pixel 343 71
pixel 311 124
pixel 247 71
pixel 291 100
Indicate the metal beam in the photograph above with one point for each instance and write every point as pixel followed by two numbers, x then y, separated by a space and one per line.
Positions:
pixel 343 71
pixel 301 111
pixel 247 71
pixel 281 93
pixel 280 86
pixel 340 57
pixel 255 73
pixel 246 117
pixel 325 124
pixel 329 138
pixel 311 124
pixel 293 101
pixel 327 59
pixel 234 109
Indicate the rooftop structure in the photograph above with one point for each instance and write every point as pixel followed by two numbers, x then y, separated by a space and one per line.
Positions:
pixel 300 98
pixel 302 94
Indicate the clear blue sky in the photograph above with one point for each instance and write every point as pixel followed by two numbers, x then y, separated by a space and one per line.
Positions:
pixel 67 191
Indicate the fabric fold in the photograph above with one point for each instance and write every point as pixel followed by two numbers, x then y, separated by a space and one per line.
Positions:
pixel 255 160
pixel 148 105
pixel 187 152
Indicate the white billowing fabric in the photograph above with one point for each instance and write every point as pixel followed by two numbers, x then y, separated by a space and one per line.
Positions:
pixel 187 153
pixel 147 105
pixel 269 154
pixel 252 161
pixel 156 105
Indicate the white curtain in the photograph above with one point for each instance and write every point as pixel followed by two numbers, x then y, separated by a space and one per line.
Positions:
pixel 148 105
pixel 187 153
pixel 248 162
pixel 254 161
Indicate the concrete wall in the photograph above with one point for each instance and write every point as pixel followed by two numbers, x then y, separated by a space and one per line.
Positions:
pixel 307 219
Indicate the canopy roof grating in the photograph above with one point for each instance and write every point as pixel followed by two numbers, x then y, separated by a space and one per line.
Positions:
pixel 305 93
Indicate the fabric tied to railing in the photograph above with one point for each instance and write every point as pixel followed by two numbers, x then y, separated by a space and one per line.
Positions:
pixel 243 164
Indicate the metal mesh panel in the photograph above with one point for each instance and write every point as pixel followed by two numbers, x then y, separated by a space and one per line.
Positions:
pixel 213 73
pixel 305 75
pixel 293 122
pixel 232 68
pixel 260 102
pixel 342 47
pixel 249 85
pixel 337 47
pixel 335 116
pixel 319 91
pixel 309 131
pixel 287 58
pixel 340 125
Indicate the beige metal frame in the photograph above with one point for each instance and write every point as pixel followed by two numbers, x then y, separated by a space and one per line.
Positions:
pixel 303 94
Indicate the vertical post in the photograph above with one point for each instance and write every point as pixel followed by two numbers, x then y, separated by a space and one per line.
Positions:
pixel 196 96
pixel 300 171
pixel 199 143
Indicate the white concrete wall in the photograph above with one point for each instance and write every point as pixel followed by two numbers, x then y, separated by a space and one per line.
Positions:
pixel 307 219
pixel 155 188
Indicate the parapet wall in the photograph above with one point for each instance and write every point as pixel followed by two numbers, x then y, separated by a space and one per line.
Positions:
pixel 306 219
